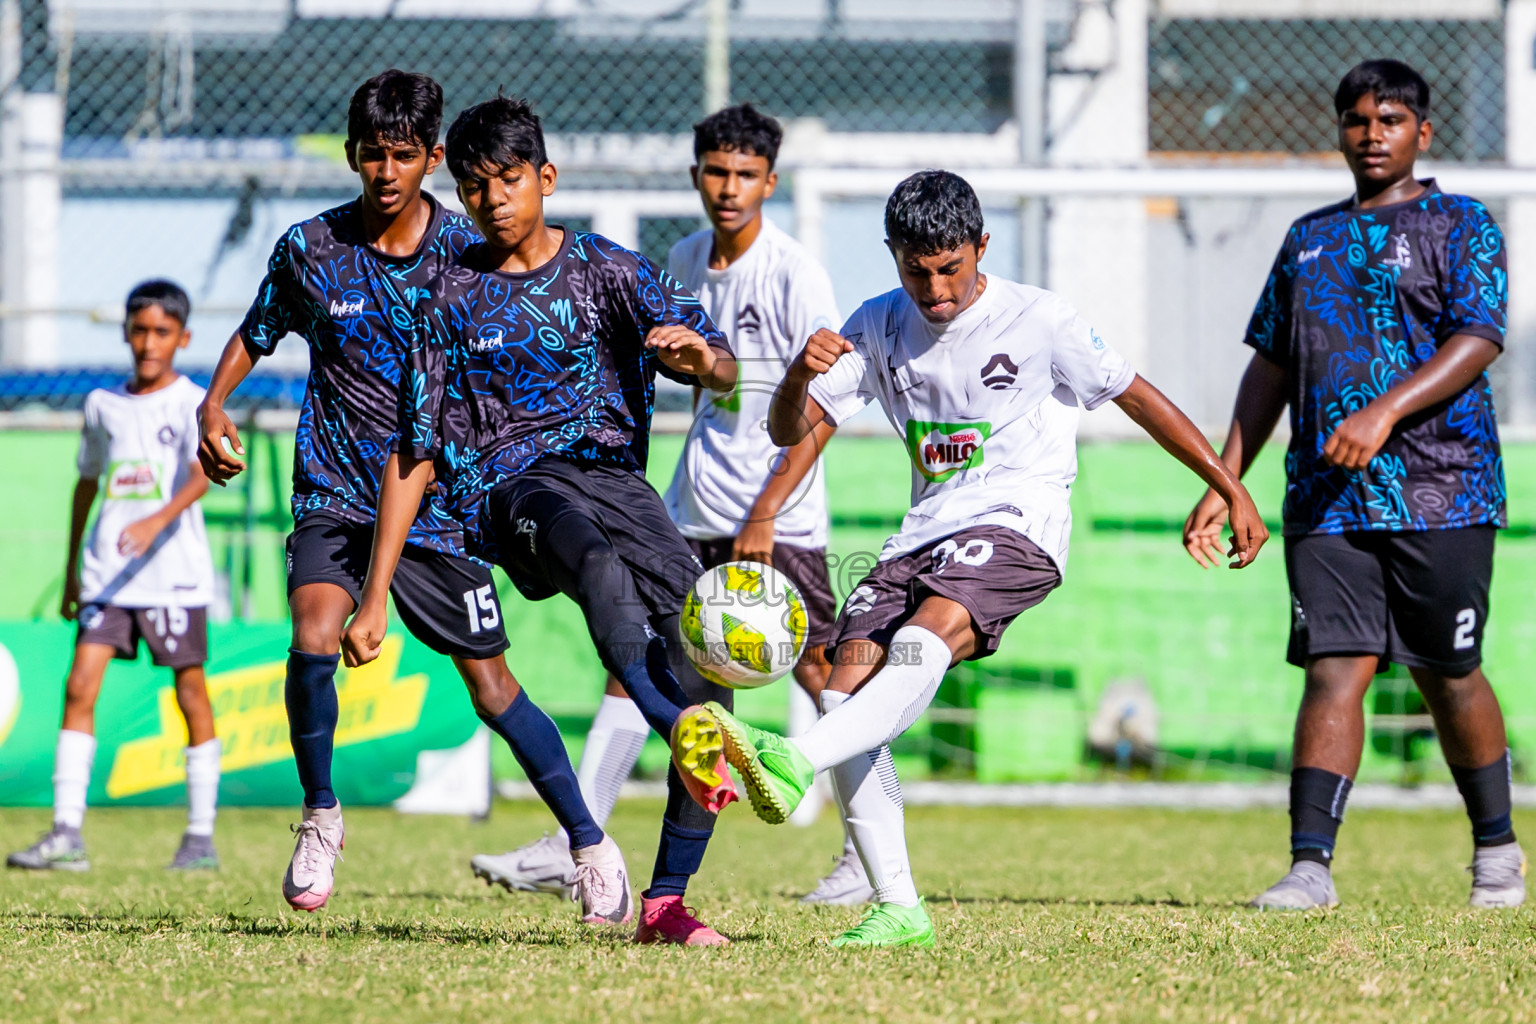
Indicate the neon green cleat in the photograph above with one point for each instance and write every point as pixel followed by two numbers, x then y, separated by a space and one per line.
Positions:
pixel 776 774
pixel 887 925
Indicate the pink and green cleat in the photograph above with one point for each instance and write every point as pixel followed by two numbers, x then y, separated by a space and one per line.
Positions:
pixel 698 750
pixel 776 774
pixel 887 925
pixel 665 919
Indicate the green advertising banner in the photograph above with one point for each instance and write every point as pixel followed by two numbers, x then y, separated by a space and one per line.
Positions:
pixel 408 701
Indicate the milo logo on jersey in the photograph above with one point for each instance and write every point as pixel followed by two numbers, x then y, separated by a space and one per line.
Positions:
pixel 940 450
pixel 133 478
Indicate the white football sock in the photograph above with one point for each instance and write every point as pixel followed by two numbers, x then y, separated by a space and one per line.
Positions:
pixel 886 706
pixel 203 786
pixel 618 733
pixel 72 776
pixel 870 796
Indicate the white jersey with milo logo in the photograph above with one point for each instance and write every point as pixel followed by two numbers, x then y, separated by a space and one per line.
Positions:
pixel 768 303
pixel 141 447
pixel 987 405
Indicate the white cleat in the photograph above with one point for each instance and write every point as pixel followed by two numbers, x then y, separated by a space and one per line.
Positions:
pixel 1307 886
pixel 846 885
pixel 312 871
pixel 1498 876
pixel 544 865
pixel 602 884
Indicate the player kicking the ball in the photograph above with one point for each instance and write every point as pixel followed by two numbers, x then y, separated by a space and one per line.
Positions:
pixel 146 574
pixel 346 282
pixel 531 382
pixel 982 377
pixel 735 494
pixel 1377 326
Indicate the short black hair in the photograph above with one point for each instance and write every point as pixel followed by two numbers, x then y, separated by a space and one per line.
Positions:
pixel 168 295
pixel 398 106
pixel 502 132
pixel 739 129
pixel 933 211
pixel 1386 80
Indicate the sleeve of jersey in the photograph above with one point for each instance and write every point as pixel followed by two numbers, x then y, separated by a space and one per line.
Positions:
pixel 1080 359
pixel 809 306
pixel 421 391
pixel 272 314
pixel 1475 289
pixel 1269 329
pixel 844 390
pixel 661 300
pixel 91 462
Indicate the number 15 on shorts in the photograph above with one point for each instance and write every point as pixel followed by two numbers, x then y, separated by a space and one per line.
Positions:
pixel 482 608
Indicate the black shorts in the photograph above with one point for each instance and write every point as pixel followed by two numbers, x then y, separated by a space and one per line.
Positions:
pixel 628 511
pixel 176 637
pixel 1418 599
pixel 993 571
pixel 447 603
pixel 806 568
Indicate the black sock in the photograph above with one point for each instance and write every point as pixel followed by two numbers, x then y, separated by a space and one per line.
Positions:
pixel 310 694
pixel 1317 809
pixel 1486 792
pixel 535 742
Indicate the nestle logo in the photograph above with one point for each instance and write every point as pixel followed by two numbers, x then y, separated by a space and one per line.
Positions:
pixel 341 308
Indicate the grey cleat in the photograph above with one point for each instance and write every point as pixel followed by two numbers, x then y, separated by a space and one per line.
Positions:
pixel 846 885
pixel 1498 876
pixel 1307 886
pixel 544 865
pixel 196 853
pixel 60 849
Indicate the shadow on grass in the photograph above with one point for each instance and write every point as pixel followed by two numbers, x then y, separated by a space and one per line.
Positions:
pixel 127 923
pixel 938 899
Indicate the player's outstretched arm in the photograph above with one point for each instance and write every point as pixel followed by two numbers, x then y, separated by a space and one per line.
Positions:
pixel 1169 427
pixel 234 365
pixel 1459 362
pixel 754 543
pixel 79 513
pixel 404 483
pixel 138 535
pixel 1261 399
pixel 794 414
pixel 687 351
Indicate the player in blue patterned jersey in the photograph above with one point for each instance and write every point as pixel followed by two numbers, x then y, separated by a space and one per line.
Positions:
pixel 1377 326
pixel 347 282
pixel 531 383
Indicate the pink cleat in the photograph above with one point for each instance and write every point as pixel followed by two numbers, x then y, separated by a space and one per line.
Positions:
pixel 665 919
pixel 698 752
pixel 312 872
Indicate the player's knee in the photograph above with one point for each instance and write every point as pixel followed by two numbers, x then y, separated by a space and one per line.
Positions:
pixel 314 637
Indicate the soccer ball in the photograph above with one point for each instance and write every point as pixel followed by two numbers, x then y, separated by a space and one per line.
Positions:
pixel 743 625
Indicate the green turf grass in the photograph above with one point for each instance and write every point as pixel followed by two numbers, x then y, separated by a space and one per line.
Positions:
pixel 1080 915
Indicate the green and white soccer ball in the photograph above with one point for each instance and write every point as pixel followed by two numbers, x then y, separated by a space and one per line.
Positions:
pixel 743 625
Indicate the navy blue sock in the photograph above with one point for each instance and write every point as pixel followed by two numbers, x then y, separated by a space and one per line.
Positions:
pixel 638 659
pixel 310 694
pixel 1486 792
pixel 685 831
pixel 1317 809
pixel 536 743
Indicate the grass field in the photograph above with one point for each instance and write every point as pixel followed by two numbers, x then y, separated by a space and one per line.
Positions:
pixel 1091 915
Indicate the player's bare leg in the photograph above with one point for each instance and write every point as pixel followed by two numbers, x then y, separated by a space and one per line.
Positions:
pixel 61 847
pixel 1470 725
pixel 196 852
pixel 1330 737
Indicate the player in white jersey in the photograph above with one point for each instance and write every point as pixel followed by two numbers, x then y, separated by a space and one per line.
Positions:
pixel 735 495
pixel 145 573
pixel 983 378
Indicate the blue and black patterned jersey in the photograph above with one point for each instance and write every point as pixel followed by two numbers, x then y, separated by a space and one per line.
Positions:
pixel 353 304
pixel 1356 302
pixel 507 368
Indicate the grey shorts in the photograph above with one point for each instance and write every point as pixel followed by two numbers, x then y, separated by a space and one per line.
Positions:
pixel 176 637
pixel 992 571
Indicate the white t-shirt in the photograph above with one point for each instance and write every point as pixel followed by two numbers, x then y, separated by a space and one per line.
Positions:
pixel 144 446
pixel 767 303
pixel 987 405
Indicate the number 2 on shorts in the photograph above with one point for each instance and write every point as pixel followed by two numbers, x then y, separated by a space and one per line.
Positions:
pixel 481 605
pixel 1466 621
